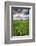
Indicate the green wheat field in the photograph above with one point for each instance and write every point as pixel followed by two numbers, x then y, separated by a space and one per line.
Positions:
pixel 20 27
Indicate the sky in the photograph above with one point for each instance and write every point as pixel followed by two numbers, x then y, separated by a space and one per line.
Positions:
pixel 21 13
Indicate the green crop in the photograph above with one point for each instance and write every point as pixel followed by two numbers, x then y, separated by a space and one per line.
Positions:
pixel 20 27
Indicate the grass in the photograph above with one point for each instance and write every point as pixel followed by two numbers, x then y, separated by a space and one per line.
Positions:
pixel 20 27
